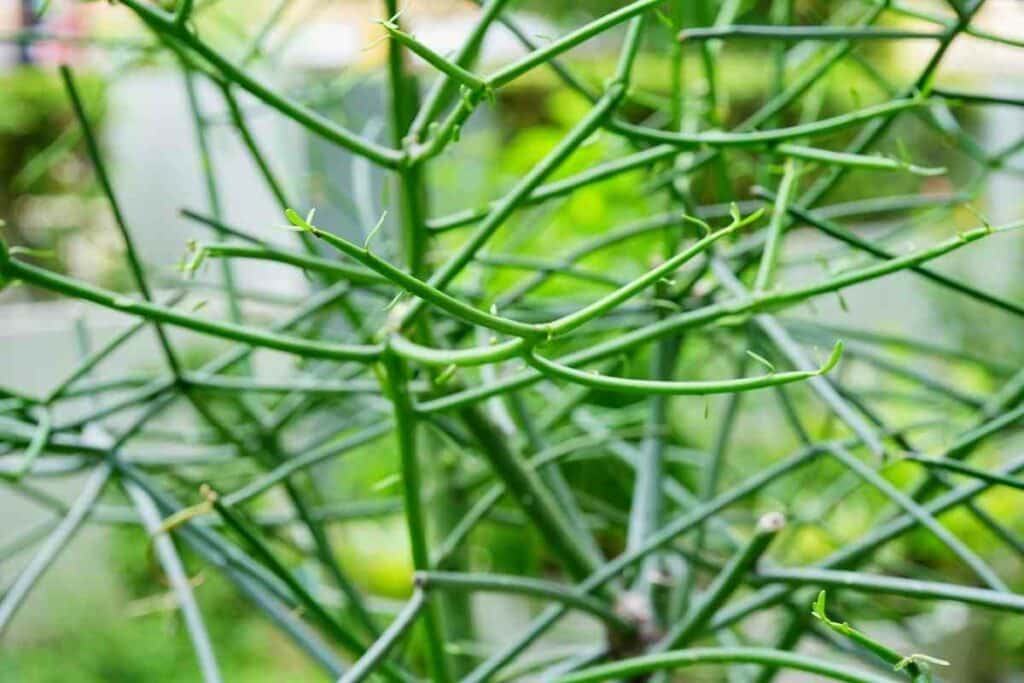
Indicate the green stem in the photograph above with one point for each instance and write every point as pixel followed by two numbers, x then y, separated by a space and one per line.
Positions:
pixel 445 88
pixel 500 583
pixel 862 161
pixel 861 582
pixel 309 263
pixel 556 47
pixel 786 33
pixel 330 624
pixel 155 312
pixel 727 581
pixel 967 470
pixel 375 654
pixel 904 502
pixel 134 262
pixel 524 485
pixel 697 388
pixel 55 542
pixel 302 115
pixel 884 111
pixel 451 69
pixel 773 241
pixel 840 233
pixel 174 570
pixel 415 514
pixel 725 655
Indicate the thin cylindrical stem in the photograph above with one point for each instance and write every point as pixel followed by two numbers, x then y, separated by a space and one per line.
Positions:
pixel 731 576
pixel 669 661
pixel 395 631
pixel 515 584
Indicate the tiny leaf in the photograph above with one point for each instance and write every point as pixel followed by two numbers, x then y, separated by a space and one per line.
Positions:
pixel 698 222
pixel 373 230
pixel 762 360
pixel 387 482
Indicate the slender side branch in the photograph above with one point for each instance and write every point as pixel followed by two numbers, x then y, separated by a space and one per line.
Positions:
pixel 696 388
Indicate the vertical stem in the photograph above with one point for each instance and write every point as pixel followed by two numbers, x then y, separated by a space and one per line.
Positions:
pixel 355 603
pixel 728 579
pixel 134 262
pixel 712 474
pixel 773 243
pixel 533 496
pixel 446 87
pixel 781 15
pixel 178 579
pixel 210 184
pixel 380 648
pixel 404 97
pixel 273 182
pixel 53 545
pixel 676 76
pixel 412 490
pixel 413 207
pixel 453 507
pixel 645 513
pixel 552 475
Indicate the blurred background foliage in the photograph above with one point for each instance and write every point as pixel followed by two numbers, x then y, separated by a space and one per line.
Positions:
pixel 46 183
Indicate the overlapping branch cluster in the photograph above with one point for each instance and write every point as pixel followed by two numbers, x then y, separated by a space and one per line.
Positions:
pixel 506 381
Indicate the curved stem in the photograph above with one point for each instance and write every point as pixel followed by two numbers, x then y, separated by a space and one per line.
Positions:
pixel 150 311
pixel 697 388
pixel 670 661
pixel 806 33
pixel 415 513
pixel 500 583
pixel 861 582
pixel 302 115
pixel 376 653
pixel 821 127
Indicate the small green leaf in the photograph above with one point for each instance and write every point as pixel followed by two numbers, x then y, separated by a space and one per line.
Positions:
pixel 665 20
pixel 904 153
pixel 445 375
pixel 734 211
pixel 752 218
pixel 880 650
pixel 45 254
pixel 297 221
pixel 387 482
pixel 979 215
pixel 833 358
pixel 193 264
pixel 394 301
pixel 842 302
pixel 373 230
pixel 698 222
pixel 918 658
pixel 762 360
